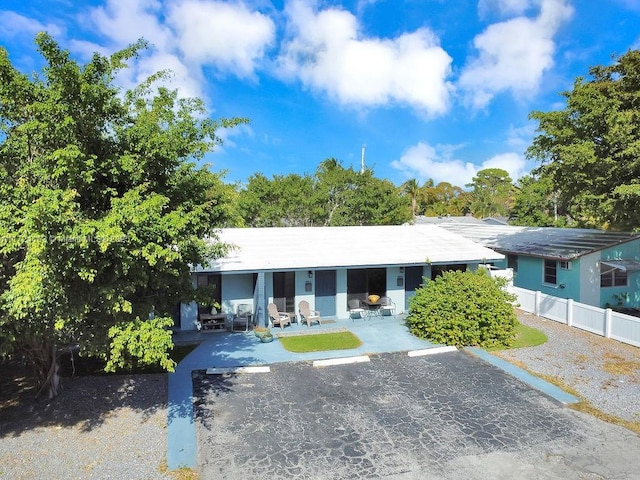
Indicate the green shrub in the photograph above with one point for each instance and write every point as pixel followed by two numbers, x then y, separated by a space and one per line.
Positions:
pixel 463 308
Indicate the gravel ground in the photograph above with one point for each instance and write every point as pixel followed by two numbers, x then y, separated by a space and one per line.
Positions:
pixel 604 372
pixel 99 427
pixel 114 427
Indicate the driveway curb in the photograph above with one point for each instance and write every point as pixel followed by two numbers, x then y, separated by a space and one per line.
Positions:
pixel 545 387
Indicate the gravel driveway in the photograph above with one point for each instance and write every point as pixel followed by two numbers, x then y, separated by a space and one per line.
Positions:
pixel 114 427
pixel 604 372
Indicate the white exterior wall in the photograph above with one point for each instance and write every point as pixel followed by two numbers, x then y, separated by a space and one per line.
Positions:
pixel 236 289
pixel 590 279
pixel 341 293
pixel 395 292
pixel 301 278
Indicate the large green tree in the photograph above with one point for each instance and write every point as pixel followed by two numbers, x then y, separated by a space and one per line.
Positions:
pixel 492 193
pixel 442 199
pixel 282 201
pixel 333 196
pixel 536 203
pixel 344 196
pixel 103 210
pixel 591 148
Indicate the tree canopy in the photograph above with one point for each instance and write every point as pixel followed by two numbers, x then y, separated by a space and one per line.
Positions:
pixel 591 148
pixel 103 210
pixel 333 196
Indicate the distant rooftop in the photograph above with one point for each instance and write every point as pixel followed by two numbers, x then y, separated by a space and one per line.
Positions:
pixel 547 242
pixel 422 220
pixel 291 248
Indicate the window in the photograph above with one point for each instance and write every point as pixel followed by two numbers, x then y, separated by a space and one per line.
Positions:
pixel 512 262
pixel 550 272
pixel 565 265
pixel 613 278
pixel 363 282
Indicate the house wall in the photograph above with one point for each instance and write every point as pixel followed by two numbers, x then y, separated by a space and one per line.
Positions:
pixel 590 290
pixel 582 281
pixel 627 296
pixel 530 275
pixel 236 289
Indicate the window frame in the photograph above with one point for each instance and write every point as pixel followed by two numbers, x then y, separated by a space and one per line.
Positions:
pixel 615 278
pixel 546 275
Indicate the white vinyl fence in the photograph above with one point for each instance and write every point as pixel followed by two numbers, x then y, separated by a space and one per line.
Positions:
pixel 605 322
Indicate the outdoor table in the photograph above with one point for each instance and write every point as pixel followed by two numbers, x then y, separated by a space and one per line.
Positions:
pixel 372 308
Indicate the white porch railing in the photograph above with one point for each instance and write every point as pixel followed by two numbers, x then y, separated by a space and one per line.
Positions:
pixel 601 321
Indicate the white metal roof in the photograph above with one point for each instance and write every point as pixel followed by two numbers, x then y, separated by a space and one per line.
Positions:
pixel 291 248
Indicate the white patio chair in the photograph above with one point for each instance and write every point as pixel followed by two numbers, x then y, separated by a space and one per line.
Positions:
pixel 387 306
pixel 355 310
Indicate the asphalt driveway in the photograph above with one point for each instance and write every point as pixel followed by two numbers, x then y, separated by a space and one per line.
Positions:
pixel 446 416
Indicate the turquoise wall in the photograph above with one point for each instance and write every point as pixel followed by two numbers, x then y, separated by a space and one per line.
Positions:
pixel 530 275
pixel 626 296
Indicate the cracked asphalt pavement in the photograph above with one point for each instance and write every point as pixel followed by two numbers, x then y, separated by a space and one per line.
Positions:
pixel 444 416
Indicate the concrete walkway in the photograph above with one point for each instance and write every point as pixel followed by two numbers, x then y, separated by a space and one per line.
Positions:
pixel 226 349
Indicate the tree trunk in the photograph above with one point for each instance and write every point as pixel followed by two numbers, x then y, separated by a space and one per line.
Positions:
pixel 44 359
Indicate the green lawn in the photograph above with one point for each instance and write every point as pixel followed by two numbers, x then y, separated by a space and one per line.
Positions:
pixel 525 337
pixel 320 342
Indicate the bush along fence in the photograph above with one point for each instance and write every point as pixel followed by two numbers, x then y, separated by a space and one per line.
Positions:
pixel 601 321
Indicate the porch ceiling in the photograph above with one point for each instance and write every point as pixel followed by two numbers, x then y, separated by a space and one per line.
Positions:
pixel 332 247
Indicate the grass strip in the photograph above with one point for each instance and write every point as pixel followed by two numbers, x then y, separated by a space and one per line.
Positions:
pixel 320 342
pixel 525 337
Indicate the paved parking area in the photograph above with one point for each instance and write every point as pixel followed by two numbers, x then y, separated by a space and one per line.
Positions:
pixel 446 416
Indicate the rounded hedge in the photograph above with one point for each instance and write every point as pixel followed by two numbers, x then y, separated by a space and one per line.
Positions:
pixel 463 308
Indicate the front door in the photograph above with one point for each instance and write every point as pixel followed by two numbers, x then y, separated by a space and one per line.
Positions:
pixel 412 280
pixel 326 292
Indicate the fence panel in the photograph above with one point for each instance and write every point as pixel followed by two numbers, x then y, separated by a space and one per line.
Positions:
pixel 625 328
pixel 526 299
pixel 589 318
pixel 553 308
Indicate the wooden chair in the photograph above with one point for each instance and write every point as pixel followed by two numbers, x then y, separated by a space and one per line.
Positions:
pixel 277 318
pixel 308 315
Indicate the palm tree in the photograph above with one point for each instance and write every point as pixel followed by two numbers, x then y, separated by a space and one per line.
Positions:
pixel 411 187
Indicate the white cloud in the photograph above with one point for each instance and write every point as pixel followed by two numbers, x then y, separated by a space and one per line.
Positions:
pixel 511 162
pixel 125 22
pixel 227 35
pixel 327 53
pixel 423 161
pixel 513 54
pixel 15 25
pixel 185 37
pixel 521 137
pixel 503 7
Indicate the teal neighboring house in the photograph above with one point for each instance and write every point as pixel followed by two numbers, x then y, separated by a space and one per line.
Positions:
pixel 593 267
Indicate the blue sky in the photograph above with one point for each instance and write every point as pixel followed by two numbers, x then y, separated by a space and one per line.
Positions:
pixel 434 88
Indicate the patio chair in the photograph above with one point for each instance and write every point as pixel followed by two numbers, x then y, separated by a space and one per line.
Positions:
pixel 355 310
pixel 387 306
pixel 308 315
pixel 242 317
pixel 277 318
